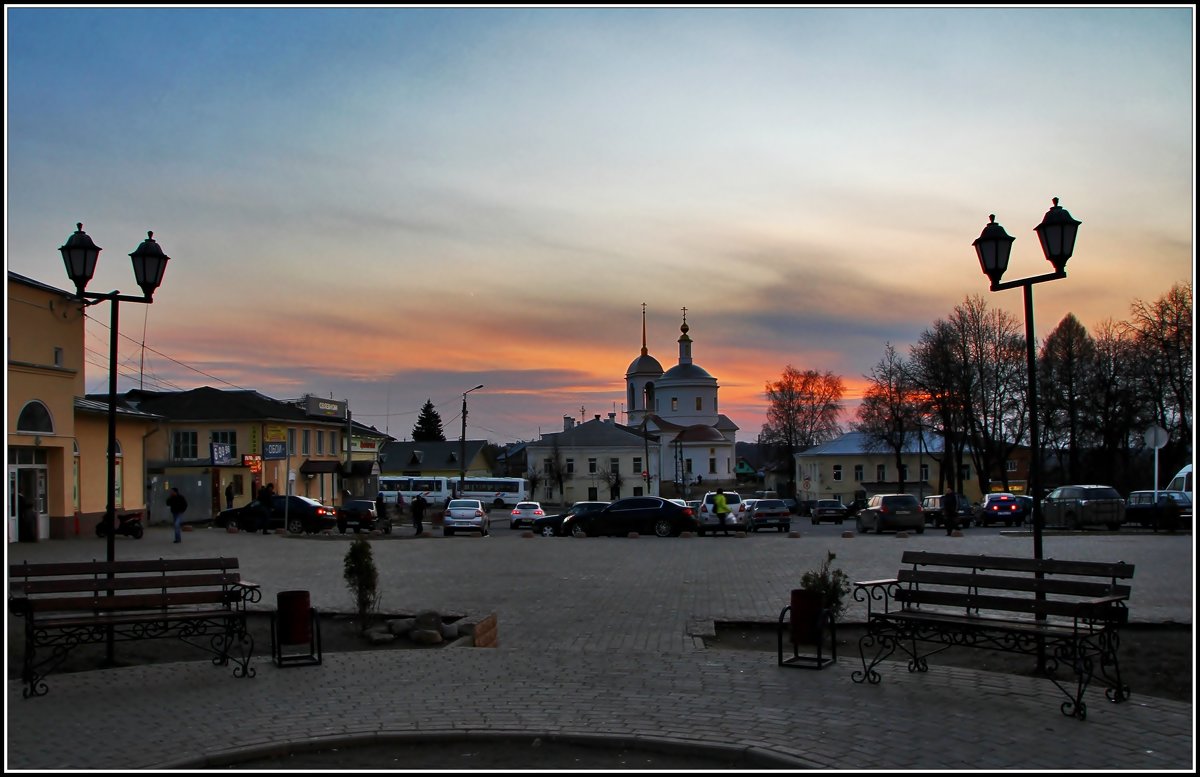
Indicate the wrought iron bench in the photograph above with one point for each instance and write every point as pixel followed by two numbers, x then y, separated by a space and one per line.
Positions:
pixel 1065 612
pixel 201 601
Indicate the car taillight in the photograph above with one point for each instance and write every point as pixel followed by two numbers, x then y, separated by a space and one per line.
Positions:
pixel 516 511
pixel 479 513
pixel 687 511
pixel 539 512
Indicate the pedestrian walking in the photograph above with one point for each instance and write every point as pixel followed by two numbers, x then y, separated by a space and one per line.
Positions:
pixel 721 508
pixel 380 507
pixel 950 510
pixel 418 512
pixel 177 504
pixel 229 496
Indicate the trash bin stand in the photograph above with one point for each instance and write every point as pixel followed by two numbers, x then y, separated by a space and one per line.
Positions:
pixel 293 623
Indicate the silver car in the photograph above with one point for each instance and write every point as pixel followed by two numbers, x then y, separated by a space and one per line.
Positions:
pixel 465 515
pixel 892 512
pixel 737 520
pixel 524 514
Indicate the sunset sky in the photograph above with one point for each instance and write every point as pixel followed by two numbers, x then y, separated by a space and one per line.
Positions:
pixel 387 205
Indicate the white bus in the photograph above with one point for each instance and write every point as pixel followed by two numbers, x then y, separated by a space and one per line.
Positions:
pixel 436 490
pixel 493 492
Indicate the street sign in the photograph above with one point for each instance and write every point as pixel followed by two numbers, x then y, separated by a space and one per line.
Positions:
pixel 1156 437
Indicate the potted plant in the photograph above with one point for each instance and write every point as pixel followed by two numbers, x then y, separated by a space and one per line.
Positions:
pixel 829 586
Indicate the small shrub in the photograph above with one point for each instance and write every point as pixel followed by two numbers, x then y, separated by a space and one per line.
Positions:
pixel 362 578
pixel 833 584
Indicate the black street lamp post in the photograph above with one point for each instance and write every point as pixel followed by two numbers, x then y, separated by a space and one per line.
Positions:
pixel 462 443
pixel 1057 234
pixel 149 264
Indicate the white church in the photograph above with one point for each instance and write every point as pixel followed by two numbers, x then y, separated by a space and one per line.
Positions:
pixel 675 444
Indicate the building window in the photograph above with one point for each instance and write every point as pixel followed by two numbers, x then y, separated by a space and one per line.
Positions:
pixel 924 472
pixel 858 473
pixel 306 445
pixel 637 467
pixel 58 356
pixel 35 418
pixel 570 466
pixel 183 445
pixel 119 477
pixel 291 442
pixel 614 466
pixel 880 472
pixel 228 437
pixel 592 466
pixel 837 472
pixel 547 465
pixel 689 466
pixel 904 472
pixel 699 403
pixel 712 465
pixel 1010 465
pixel 964 472
pixel 321 443
pixel 674 403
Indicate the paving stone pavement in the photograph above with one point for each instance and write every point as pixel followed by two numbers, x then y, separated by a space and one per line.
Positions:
pixel 599 637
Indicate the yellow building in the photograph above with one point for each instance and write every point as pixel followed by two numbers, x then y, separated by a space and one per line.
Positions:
pixel 56 438
pixel 849 468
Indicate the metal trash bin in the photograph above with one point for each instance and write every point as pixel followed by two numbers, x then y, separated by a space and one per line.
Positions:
pixel 295 622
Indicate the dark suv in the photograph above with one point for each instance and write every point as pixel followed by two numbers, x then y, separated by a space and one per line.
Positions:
pixel 1079 506
pixel 891 511
pixel 360 515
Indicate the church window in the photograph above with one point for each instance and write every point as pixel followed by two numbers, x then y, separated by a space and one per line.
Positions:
pixel 699 403
pixel 712 465
pixel 674 403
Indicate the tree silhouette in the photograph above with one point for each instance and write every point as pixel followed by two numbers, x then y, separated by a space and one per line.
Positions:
pixel 429 425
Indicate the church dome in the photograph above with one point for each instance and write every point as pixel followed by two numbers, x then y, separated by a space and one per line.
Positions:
pixel 687 372
pixel 644 364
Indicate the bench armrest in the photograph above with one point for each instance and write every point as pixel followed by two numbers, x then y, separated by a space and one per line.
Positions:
pixel 872 591
pixel 245 592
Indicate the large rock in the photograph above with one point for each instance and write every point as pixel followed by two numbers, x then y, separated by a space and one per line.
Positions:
pixel 379 635
pixel 428 620
pixel 426 636
pixel 401 626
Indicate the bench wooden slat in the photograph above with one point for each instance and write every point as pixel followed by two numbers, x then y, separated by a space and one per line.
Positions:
pixel 1028 605
pixel 969 623
pixel 103 568
pixel 1074 587
pixel 128 601
pixel 1047 566
pixel 104 584
pixel 134 618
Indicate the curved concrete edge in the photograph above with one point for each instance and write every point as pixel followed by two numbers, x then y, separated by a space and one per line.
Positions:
pixel 739 756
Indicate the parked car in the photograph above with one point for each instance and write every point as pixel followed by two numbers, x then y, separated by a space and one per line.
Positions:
pixel 931 507
pixel 891 512
pixel 302 515
pixel 524 514
pixel 737 520
pixel 361 515
pixel 792 505
pixel 830 510
pixel 1077 506
pixel 465 515
pixel 641 514
pixel 1002 508
pixel 770 514
pixel 551 525
pixel 1143 509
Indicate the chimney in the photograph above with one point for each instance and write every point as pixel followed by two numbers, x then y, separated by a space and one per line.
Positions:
pixel 597 416
pixel 568 423
pixel 612 417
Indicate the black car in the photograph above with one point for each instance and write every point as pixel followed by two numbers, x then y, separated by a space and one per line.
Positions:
pixel 770 514
pixel 551 525
pixel 1144 509
pixel 300 514
pixel 831 510
pixel 360 515
pixel 641 514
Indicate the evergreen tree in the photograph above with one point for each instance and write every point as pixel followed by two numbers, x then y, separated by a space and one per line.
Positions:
pixel 429 425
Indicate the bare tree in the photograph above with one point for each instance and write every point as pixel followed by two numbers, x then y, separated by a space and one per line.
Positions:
pixel 1163 332
pixel 941 375
pixel 535 479
pixel 614 480
pixel 802 411
pixel 556 469
pixel 892 407
pixel 993 383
